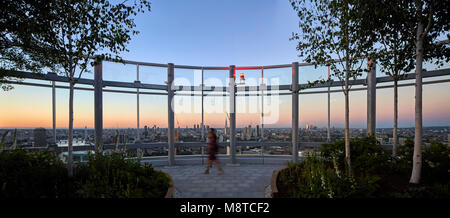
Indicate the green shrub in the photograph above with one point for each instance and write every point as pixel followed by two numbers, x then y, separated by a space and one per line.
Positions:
pixel 366 155
pixel 25 174
pixel 403 160
pixel 30 174
pixel 436 160
pixel 375 173
pixel 315 177
pixel 113 176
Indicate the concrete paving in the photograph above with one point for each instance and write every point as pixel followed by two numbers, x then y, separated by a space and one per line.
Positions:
pixel 243 181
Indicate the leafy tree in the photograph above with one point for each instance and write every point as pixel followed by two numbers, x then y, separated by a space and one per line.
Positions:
pixel 81 30
pixel 395 53
pixel 423 23
pixel 25 37
pixel 330 35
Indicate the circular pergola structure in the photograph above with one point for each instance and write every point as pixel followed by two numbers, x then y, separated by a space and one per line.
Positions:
pixel 232 90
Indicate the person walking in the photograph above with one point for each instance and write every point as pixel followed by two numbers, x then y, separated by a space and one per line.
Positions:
pixel 212 150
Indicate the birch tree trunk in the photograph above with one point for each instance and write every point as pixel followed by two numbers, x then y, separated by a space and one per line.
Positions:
pixel 70 139
pixel 417 158
pixel 346 93
pixel 394 134
pixel 347 126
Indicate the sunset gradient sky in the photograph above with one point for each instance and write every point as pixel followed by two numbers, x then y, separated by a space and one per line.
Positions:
pixel 215 33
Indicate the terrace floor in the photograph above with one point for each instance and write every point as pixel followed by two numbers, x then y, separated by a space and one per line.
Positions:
pixel 242 181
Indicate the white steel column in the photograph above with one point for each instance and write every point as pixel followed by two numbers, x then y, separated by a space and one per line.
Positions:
pixel 170 129
pixel 137 107
pixel 232 91
pixel 328 127
pixel 263 87
pixel 98 106
pixel 203 123
pixel 54 110
pixel 371 97
pixel 294 90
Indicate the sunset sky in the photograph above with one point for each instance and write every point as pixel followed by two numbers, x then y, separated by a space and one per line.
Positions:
pixel 215 33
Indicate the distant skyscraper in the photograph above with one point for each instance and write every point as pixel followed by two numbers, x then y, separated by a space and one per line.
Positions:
pixel 257 131
pixel 226 127
pixel 177 134
pixel 85 134
pixel 145 131
pixel 40 137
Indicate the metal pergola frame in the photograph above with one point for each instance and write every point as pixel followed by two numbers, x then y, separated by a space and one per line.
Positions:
pixel 230 91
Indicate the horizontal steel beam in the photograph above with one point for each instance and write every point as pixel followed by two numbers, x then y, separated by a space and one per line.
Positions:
pixel 84 88
pixel 409 76
pixel 223 94
pixel 137 84
pixel 208 67
pixel 57 78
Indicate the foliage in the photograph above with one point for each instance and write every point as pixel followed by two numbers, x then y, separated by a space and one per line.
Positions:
pixel 24 35
pixel 30 174
pixel 433 15
pixel 436 158
pixel 26 174
pixel 330 35
pixel 367 155
pixel 394 51
pixel 113 176
pixel 85 29
pixel 405 157
pixel 375 172
pixel 2 140
pixel 64 34
pixel 421 23
pixel 315 177
pixel 436 163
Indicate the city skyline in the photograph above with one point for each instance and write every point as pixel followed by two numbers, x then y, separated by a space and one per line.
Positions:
pixel 18 113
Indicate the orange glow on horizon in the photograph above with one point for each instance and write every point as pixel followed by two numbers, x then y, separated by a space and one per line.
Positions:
pixel 27 107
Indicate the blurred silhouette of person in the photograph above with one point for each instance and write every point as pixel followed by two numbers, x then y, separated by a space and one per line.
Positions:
pixel 212 150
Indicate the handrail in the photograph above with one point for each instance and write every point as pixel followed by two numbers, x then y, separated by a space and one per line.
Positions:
pixel 143 63
pixel 180 89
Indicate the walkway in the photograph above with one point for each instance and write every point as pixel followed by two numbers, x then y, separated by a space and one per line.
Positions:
pixel 244 181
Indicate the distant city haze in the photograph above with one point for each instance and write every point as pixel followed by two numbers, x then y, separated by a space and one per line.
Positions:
pixel 216 33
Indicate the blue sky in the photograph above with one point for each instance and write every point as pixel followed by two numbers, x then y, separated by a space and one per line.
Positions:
pixel 216 33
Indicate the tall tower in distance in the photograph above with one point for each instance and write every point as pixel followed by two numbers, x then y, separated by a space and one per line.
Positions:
pixel 40 137
pixel 226 127
pixel 85 135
